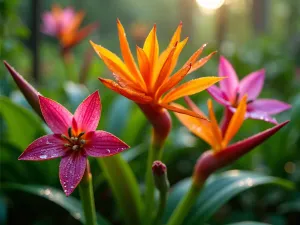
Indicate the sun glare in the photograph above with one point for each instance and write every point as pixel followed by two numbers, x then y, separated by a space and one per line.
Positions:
pixel 210 4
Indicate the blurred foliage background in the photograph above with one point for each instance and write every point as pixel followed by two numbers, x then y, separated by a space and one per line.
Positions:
pixel 253 34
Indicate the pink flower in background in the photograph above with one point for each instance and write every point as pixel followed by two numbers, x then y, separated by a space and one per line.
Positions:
pixel 64 24
pixel 75 137
pixel 231 92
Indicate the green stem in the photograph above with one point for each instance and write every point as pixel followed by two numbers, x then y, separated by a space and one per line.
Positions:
pixel 87 197
pixel 69 65
pixel 155 153
pixel 124 187
pixel 163 196
pixel 185 205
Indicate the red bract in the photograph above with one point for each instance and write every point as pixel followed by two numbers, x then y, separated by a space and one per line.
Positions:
pixel 75 137
pixel 231 92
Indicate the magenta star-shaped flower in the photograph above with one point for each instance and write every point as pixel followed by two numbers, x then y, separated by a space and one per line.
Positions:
pixel 231 92
pixel 75 138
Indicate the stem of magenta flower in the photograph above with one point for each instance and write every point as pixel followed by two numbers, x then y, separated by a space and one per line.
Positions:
pixel 185 204
pixel 226 119
pixel 163 197
pixel 87 197
pixel 68 63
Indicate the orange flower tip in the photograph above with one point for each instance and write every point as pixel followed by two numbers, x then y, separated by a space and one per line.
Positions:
pixel 180 23
pixel 118 21
pixel 154 27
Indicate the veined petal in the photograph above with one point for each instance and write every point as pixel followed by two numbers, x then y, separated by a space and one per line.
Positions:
pixel 115 64
pixel 173 81
pixel 182 111
pixel 201 62
pixel 252 84
pixel 57 117
pixel 190 87
pixel 71 170
pixel 200 128
pixel 88 113
pixel 176 36
pixel 151 47
pixel 128 93
pixel 216 131
pixel 127 55
pixel 229 85
pixel 47 147
pixel 269 106
pixel 193 106
pixel 218 95
pixel 101 144
pixel 235 122
pixel 144 65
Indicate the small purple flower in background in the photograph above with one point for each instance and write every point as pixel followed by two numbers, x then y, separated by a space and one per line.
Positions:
pixel 231 92
pixel 75 137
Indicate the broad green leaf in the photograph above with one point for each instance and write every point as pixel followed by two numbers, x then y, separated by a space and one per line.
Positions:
pixel 23 127
pixel 71 204
pixel 217 191
pixel 249 223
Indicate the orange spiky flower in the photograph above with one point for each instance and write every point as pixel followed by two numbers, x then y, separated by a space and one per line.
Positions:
pixel 150 84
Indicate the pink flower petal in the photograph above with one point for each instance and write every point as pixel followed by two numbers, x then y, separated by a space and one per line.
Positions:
pixel 49 24
pixel 56 116
pixel 71 170
pixel 258 115
pixel 67 18
pixel 269 106
pixel 252 84
pixel 229 85
pixel 218 95
pixel 46 147
pixel 87 115
pixel 102 144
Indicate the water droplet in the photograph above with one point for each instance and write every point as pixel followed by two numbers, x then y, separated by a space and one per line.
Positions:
pixel 108 151
pixel 43 156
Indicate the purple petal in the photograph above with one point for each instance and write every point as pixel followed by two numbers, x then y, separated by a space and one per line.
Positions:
pixel 67 18
pixel 88 113
pixel 229 85
pixel 218 95
pixel 49 24
pixel 252 84
pixel 71 170
pixel 102 144
pixel 46 147
pixel 269 106
pixel 56 116
pixel 258 115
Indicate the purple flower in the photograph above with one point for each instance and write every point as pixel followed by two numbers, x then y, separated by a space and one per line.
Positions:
pixel 231 92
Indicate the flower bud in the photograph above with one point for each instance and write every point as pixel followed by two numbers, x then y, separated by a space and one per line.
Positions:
pixel 29 92
pixel 211 161
pixel 159 171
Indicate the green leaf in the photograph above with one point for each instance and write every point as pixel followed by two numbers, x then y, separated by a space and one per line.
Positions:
pixel 22 126
pixel 218 190
pixel 249 223
pixel 71 204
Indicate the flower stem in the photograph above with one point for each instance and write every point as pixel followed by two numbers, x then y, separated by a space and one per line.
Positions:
pixel 155 153
pixel 163 196
pixel 87 197
pixel 185 205
pixel 226 120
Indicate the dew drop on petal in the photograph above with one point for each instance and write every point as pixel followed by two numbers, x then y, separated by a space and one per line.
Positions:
pixel 43 156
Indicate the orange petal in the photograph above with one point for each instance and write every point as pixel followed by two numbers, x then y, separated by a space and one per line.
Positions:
pixel 183 111
pixel 128 93
pixel 195 56
pixel 175 79
pixel 115 64
pixel 176 36
pixel 151 47
pixel 216 131
pixel 178 50
pixel 201 62
pixel 76 22
pixel 190 88
pixel 193 106
pixel 144 65
pixel 164 72
pixel 127 56
pixel 201 128
pixel 236 121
